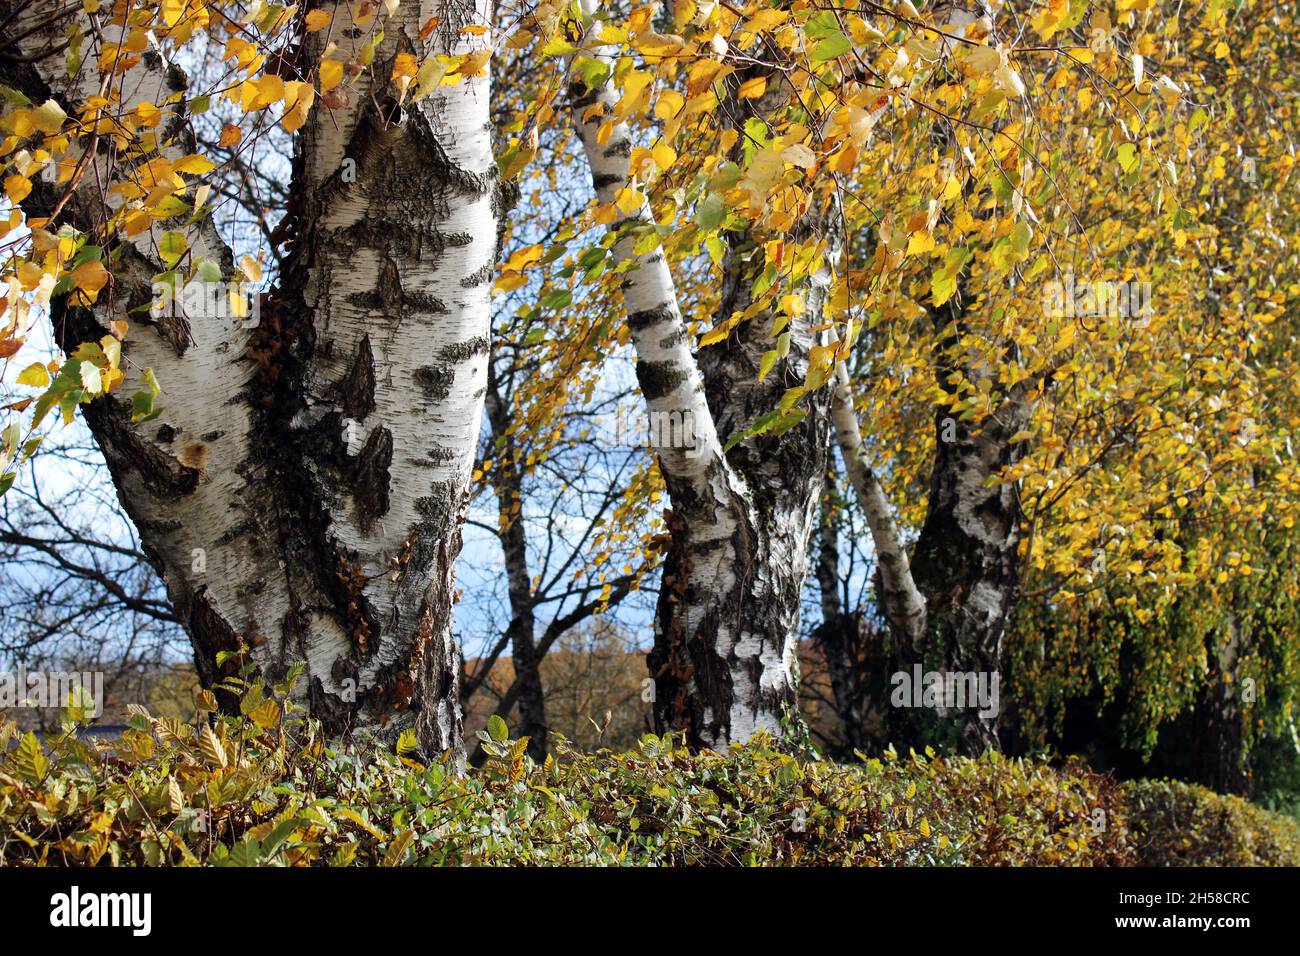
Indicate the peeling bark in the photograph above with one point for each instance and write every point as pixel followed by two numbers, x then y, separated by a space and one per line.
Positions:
pixel 188 483
pixel 380 390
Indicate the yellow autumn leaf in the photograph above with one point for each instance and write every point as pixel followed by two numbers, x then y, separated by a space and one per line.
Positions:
pixel 137 222
pixel 664 156
pixel 148 114
pixel 752 89
pixel 17 187
pixel 251 268
pixel 35 375
pixel 298 100
pixel 171 11
pixel 766 20
pixel 318 20
pixel 629 201
pixel 331 74
pixel 472 64
pixel 48 117
pixel 194 165
pixel 90 276
pixel 510 281
pixel 260 93
pixel 669 104
pixel 404 68
pixel 522 259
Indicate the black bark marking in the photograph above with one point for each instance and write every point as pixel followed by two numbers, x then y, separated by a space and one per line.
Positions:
pixel 370 482
pixel 673 339
pixel 440 454
pixel 435 381
pixel 212 634
pixel 481 277
pixel 581 97
pixel 356 390
pixel 659 378
pixel 388 288
pixel 392 300
pixel 461 351
pixel 438 513
pixel 126 449
pixel 640 321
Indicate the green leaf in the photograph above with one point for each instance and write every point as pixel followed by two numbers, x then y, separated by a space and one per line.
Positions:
pixel 170 206
pixel 710 213
pixel 593 73
pixel 86 254
pixel 172 247
pixel 830 48
pixel 717 249
pixel 1020 237
pixel 497 729
pixel 30 760
pixel 244 854
pixel 14 98
pixel 557 300
pixel 822 25
pixel 209 271
pixel 942 286
pixel 279 835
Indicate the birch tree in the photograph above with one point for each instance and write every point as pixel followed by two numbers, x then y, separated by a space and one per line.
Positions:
pixel 782 117
pixel 301 481
pixel 947 601
pixel 741 521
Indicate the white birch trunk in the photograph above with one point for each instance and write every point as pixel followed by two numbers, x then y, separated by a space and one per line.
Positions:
pixel 324 481
pixel 724 661
pixel 904 604
pixel 184 478
pixel 383 322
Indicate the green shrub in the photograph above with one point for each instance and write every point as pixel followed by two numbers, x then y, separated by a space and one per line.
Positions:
pixel 1182 824
pixel 264 788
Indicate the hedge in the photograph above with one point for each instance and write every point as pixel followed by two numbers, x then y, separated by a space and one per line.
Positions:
pixel 265 788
